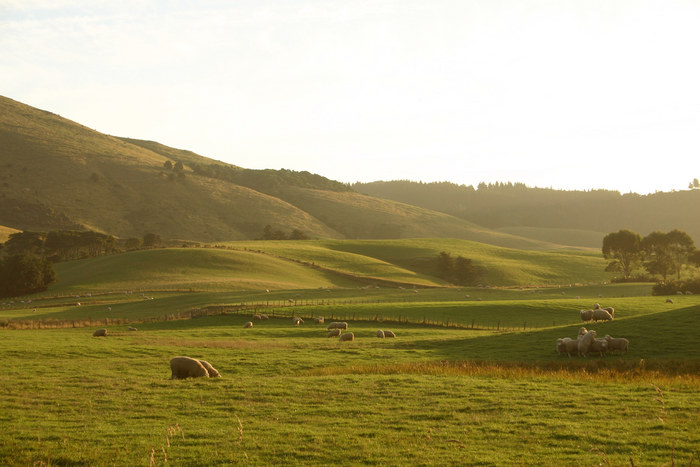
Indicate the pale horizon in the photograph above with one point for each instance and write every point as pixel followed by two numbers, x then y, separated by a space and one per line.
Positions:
pixel 553 94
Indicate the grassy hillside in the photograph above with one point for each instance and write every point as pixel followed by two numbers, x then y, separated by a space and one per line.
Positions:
pixel 5 233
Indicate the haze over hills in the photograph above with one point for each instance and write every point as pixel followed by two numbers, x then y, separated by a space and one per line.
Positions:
pixel 58 174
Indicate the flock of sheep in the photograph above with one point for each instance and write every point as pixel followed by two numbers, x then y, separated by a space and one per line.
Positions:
pixel 587 341
pixel 187 367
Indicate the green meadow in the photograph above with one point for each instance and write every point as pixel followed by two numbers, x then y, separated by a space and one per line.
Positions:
pixel 472 377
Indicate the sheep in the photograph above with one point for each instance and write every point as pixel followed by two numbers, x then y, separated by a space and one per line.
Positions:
pixel 586 315
pixel 581 332
pixel 264 317
pixel 131 328
pixel 297 321
pixel 584 343
pixel 669 300
pixel 596 306
pixel 334 333
pixel 561 344
pixel 348 336
pixel 599 345
pixel 102 332
pixel 601 315
pixel 338 325
pixel 247 325
pixel 257 317
pixel 389 334
pixel 213 372
pixel 617 343
pixel 610 310
pixel 186 367
pixel 380 334
pixel 319 320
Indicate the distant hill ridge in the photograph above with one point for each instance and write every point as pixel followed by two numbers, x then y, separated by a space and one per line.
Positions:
pixel 58 174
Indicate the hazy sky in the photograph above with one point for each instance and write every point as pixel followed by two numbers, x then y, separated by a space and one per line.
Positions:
pixel 572 94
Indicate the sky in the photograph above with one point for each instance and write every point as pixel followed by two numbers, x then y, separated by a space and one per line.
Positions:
pixel 564 94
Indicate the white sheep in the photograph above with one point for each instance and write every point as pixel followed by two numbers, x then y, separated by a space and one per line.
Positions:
pixel 610 310
pixel 669 300
pixel 319 320
pixel 567 345
pixel 581 332
pixel 380 334
pixel 348 336
pixel 584 343
pixel 389 334
pixel 617 343
pixel 297 321
pixel 334 333
pixel 599 345
pixel 247 325
pixel 338 325
pixel 586 315
pixel 601 315
pixel 257 317
pixel 186 367
pixel 561 344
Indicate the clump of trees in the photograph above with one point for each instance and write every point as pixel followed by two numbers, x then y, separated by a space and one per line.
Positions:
pixel 663 255
pixel 25 273
pixel 275 234
pixel 174 170
pixel 61 245
pixel 459 270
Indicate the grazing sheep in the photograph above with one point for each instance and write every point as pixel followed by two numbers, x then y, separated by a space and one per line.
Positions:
pixel 131 328
pixel 389 334
pixel 297 321
pixel 348 336
pixel 247 325
pixel 213 372
pixel 334 333
pixel 586 315
pixel 601 315
pixel 669 300
pixel 380 334
pixel 338 325
pixel 610 310
pixel 584 343
pixel 599 345
pixel 186 367
pixel 257 317
pixel 102 332
pixel 319 320
pixel 264 317
pixel 617 343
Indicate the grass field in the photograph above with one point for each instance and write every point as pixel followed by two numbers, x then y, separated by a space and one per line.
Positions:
pixel 472 377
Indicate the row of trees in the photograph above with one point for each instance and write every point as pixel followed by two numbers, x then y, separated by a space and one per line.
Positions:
pixel 660 254
pixel 271 234
pixel 25 273
pixel 61 245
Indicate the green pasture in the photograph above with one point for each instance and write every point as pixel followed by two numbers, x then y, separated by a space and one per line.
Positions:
pixel 290 395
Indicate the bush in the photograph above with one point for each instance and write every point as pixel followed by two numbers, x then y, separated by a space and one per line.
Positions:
pixel 25 274
pixel 673 287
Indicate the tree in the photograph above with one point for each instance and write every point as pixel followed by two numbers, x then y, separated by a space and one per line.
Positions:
pixel 132 243
pixel 25 242
pixel 168 165
pixel 298 235
pixel 24 274
pixel 694 258
pixel 694 184
pixel 655 248
pixel 151 240
pixel 680 247
pixel 624 248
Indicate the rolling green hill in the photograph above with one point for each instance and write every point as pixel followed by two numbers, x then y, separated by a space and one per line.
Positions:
pixel 57 174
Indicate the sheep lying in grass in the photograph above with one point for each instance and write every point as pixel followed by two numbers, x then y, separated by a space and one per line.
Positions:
pixel 584 343
pixel 334 333
pixel 586 315
pixel 247 325
pixel 601 315
pixel 319 320
pixel 102 332
pixel 186 367
pixel 389 334
pixel 348 336
pixel 338 325
pixel 380 334
pixel 617 343
pixel 297 321
pixel 213 372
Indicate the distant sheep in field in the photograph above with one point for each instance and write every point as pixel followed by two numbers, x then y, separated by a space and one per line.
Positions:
pixel 319 320
pixel 669 300
pixel 610 310
pixel 584 343
pixel 264 317
pixel 389 334
pixel 338 325
pixel 617 343
pixel 102 332
pixel 348 336
pixel 334 333
pixel 186 367
pixel 131 328
pixel 257 317
pixel 599 345
pixel 380 334
pixel 601 315
pixel 247 325
pixel 213 372
pixel 297 321
pixel 586 315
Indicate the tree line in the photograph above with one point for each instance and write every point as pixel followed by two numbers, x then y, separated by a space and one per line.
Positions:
pixel 662 255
